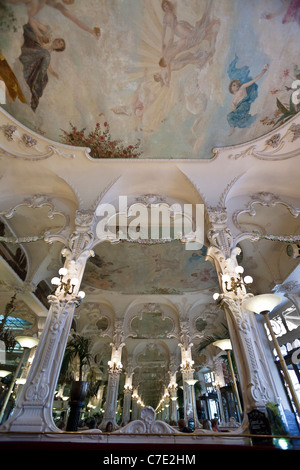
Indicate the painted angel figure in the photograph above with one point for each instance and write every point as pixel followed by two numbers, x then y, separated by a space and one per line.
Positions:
pixel 35 6
pixel 182 37
pixel 35 58
pixel 244 89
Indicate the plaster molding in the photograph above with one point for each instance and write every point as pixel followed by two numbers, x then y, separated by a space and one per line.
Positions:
pixel 165 308
pixel 37 201
pixel 92 312
pixel 147 424
pixel 275 146
pixel 263 198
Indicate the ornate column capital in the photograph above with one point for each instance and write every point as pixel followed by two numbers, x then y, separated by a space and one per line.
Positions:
pixel 218 233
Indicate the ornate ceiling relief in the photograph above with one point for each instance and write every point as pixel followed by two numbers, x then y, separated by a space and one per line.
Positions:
pixel 95 319
pixel 265 199
pixel 28 147
pixel 205 319
pixel 38 201
pixel 278 146
pixel 151 320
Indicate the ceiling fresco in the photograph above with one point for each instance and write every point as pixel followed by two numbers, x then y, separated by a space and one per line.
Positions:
pixel 162 268
pixel 150 78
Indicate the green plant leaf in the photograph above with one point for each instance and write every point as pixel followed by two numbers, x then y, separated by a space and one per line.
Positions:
pixel 281 107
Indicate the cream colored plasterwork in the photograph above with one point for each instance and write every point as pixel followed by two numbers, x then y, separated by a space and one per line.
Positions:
pixel 279 145
pixel 265 199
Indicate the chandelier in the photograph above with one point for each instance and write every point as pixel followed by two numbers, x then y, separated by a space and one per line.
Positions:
pixel 187 365
pixel 115 366
pixel 65 284
pixel 233 283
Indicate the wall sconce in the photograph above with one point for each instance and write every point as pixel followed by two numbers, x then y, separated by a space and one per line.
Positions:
pixel 232 283
pixel 187 365
pixel 127 388
pixel 115 366
pixel 66 286
pixel 173 386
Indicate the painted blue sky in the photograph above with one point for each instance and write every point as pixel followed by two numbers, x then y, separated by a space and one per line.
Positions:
pixel 176 111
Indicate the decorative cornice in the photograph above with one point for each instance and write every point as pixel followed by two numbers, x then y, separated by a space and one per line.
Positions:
pixel 274 147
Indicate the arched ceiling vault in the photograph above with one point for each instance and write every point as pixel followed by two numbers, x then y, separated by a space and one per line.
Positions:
pixel 175 130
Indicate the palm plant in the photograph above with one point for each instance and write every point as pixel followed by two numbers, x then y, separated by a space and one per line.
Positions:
pixel 209 339
pixel 78 347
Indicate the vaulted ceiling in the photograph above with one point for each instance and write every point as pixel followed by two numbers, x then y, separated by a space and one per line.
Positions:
pixel 157 131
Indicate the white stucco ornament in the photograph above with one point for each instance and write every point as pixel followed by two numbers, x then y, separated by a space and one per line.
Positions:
pixel 147 424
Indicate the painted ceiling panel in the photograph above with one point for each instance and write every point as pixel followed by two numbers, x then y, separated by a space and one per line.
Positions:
pixel 162 268
pixel 150 78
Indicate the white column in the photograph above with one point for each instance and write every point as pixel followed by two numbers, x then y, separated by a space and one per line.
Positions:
pixel 254 374
pixel 134 399
pixel 115 368
pixel 187 371
pixel 33 411
pixel 127 398
pixel 219 382
pixel 172 388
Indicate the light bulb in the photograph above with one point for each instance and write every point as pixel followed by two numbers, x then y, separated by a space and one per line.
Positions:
pixel 216 296
pixel 74 281
pixel 248 279
pixel 55 281
pixel 63 271
pixel 239 269
pixel 81 294
pixel 225 278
